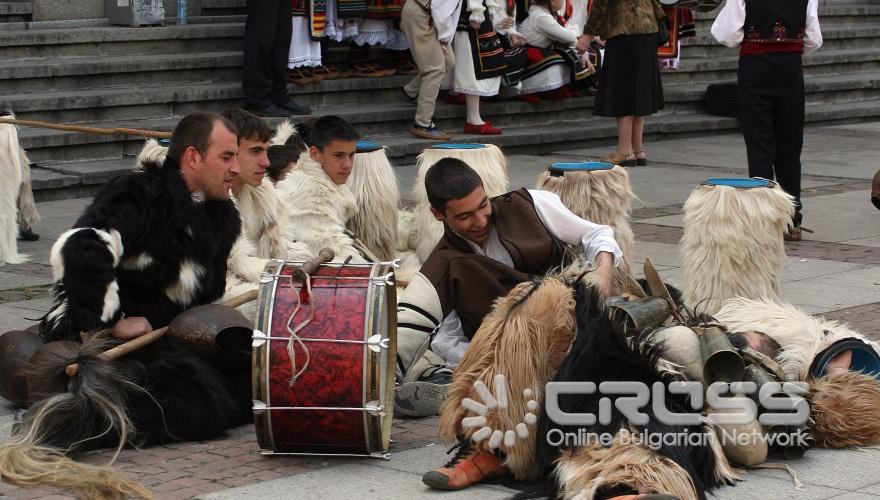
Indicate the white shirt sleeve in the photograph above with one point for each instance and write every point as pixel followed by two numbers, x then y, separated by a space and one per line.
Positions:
pixel 812 33
pixel 445 14
pixel 573 230
pixel 449 342
pixel 728 26
pixel 550 28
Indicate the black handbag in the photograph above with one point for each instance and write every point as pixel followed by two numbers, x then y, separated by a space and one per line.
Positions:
pixel 487 51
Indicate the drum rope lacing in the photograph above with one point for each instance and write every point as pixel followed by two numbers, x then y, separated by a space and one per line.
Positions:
pixel 294 338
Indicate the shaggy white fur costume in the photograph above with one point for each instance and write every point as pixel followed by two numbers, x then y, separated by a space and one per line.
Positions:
pixel 13 177
pixel 491 165
pixel 375 189
pixel 800 335
pixel 732 244
pixel 600 196
pixel 318 209
pixel 284 132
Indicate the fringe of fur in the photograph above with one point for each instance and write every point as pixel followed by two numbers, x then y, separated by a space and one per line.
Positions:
pixel 732 244
pixel 584 472
pixel 28 216
pixel 525 338
pixel 11 177
pixel 844 411
pixel 603 197
pixel 152 153
pixel 800 335
pixel 283 133
pixel 93 409
pixel 489 162
pixel 375 188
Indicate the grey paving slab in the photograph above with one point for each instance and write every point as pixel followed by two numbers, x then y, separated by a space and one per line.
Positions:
pixel 843 469
pixel 796 269
pixel 39 305
pixel 841 217
pixel 374 480
pixel 874 489
pixel 666 220
pixel 13 318
pixel 9 281
pixel 663 254
pixel 856 496
pixel 754 486
pixel 873 241
pixel 823 295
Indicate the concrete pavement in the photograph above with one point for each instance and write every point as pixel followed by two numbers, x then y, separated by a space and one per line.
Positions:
pixel 834 272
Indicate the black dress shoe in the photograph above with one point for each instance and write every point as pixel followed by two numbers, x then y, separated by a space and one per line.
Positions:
pixel 270 110
pixel 26 234
pixel 294 108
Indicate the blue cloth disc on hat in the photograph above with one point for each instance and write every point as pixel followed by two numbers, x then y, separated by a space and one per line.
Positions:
pixel 864 358
pixel 164 142
pixel 738 182
pixel 559 169
pixel 457 146
pixel 367 146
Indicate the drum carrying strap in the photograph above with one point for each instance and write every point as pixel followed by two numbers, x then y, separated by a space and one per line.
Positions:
pixel 293 331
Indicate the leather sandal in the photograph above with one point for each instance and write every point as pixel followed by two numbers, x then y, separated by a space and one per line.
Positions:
pixel 616 158
pixel 641 162
pixel 302 76
pixel 794 233
pixel 330 72
pixel 370 70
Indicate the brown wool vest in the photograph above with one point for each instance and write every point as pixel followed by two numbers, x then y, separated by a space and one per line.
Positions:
pixel 469 283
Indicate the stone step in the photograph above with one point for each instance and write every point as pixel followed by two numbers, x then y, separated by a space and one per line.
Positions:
pixel 223 7
pixel 15 12
pixel 55 180
pixel 40 75
pixel 834 38
pixel 822 62
pixel 829 15
pixel 169 40
pixel 338 96
pixel 51 146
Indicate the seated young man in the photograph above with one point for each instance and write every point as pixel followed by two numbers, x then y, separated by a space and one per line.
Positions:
pixel 489 246
pixel 263 234
pixel 319 203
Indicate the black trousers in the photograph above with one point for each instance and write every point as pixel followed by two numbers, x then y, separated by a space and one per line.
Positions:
pixel 771 107
pixel 266 48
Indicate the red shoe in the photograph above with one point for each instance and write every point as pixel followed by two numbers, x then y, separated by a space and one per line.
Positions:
pixel 555 95
pixel 484 129
pixel 468 467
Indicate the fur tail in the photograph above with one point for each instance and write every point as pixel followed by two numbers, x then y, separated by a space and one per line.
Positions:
pixel 153 153
pixel 11 177
pixel 28 216
pixel 93 410
pixel 284 132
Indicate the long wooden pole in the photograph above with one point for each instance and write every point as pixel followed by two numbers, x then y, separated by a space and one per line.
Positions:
pixel 88 130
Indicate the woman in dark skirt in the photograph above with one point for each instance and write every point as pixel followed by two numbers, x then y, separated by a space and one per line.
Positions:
pixel 629 82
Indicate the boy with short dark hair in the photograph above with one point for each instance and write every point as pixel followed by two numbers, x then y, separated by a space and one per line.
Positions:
pixel 319 202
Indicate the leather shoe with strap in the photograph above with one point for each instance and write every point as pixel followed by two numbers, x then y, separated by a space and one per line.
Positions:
pixel 623 160
pixel 468 467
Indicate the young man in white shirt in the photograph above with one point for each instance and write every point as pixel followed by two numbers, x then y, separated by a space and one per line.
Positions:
pixel 772 36
pixel 489 246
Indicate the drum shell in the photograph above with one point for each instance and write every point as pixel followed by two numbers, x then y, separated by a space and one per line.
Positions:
pixel 325 411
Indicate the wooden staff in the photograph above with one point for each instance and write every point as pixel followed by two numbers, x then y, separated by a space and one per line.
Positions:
pixel 145 340
pixel 88 130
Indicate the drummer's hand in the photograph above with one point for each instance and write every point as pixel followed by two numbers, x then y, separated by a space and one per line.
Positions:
pixel 517 40
pixel 131 328
pixel 507 23
pixel 602 274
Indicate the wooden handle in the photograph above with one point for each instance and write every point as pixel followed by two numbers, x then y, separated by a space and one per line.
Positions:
pixel 88 130
pixel 147 339
pixel 324 256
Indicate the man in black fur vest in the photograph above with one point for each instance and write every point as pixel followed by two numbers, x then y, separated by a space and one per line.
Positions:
pixel 153 243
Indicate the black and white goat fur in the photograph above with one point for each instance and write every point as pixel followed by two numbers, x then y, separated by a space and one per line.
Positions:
pixel 17 208
pixel 598 355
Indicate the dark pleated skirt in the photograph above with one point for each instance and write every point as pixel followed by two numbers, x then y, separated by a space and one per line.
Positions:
pixel 629 82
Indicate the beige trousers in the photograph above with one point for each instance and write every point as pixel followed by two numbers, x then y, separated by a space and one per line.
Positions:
pixel 430 57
